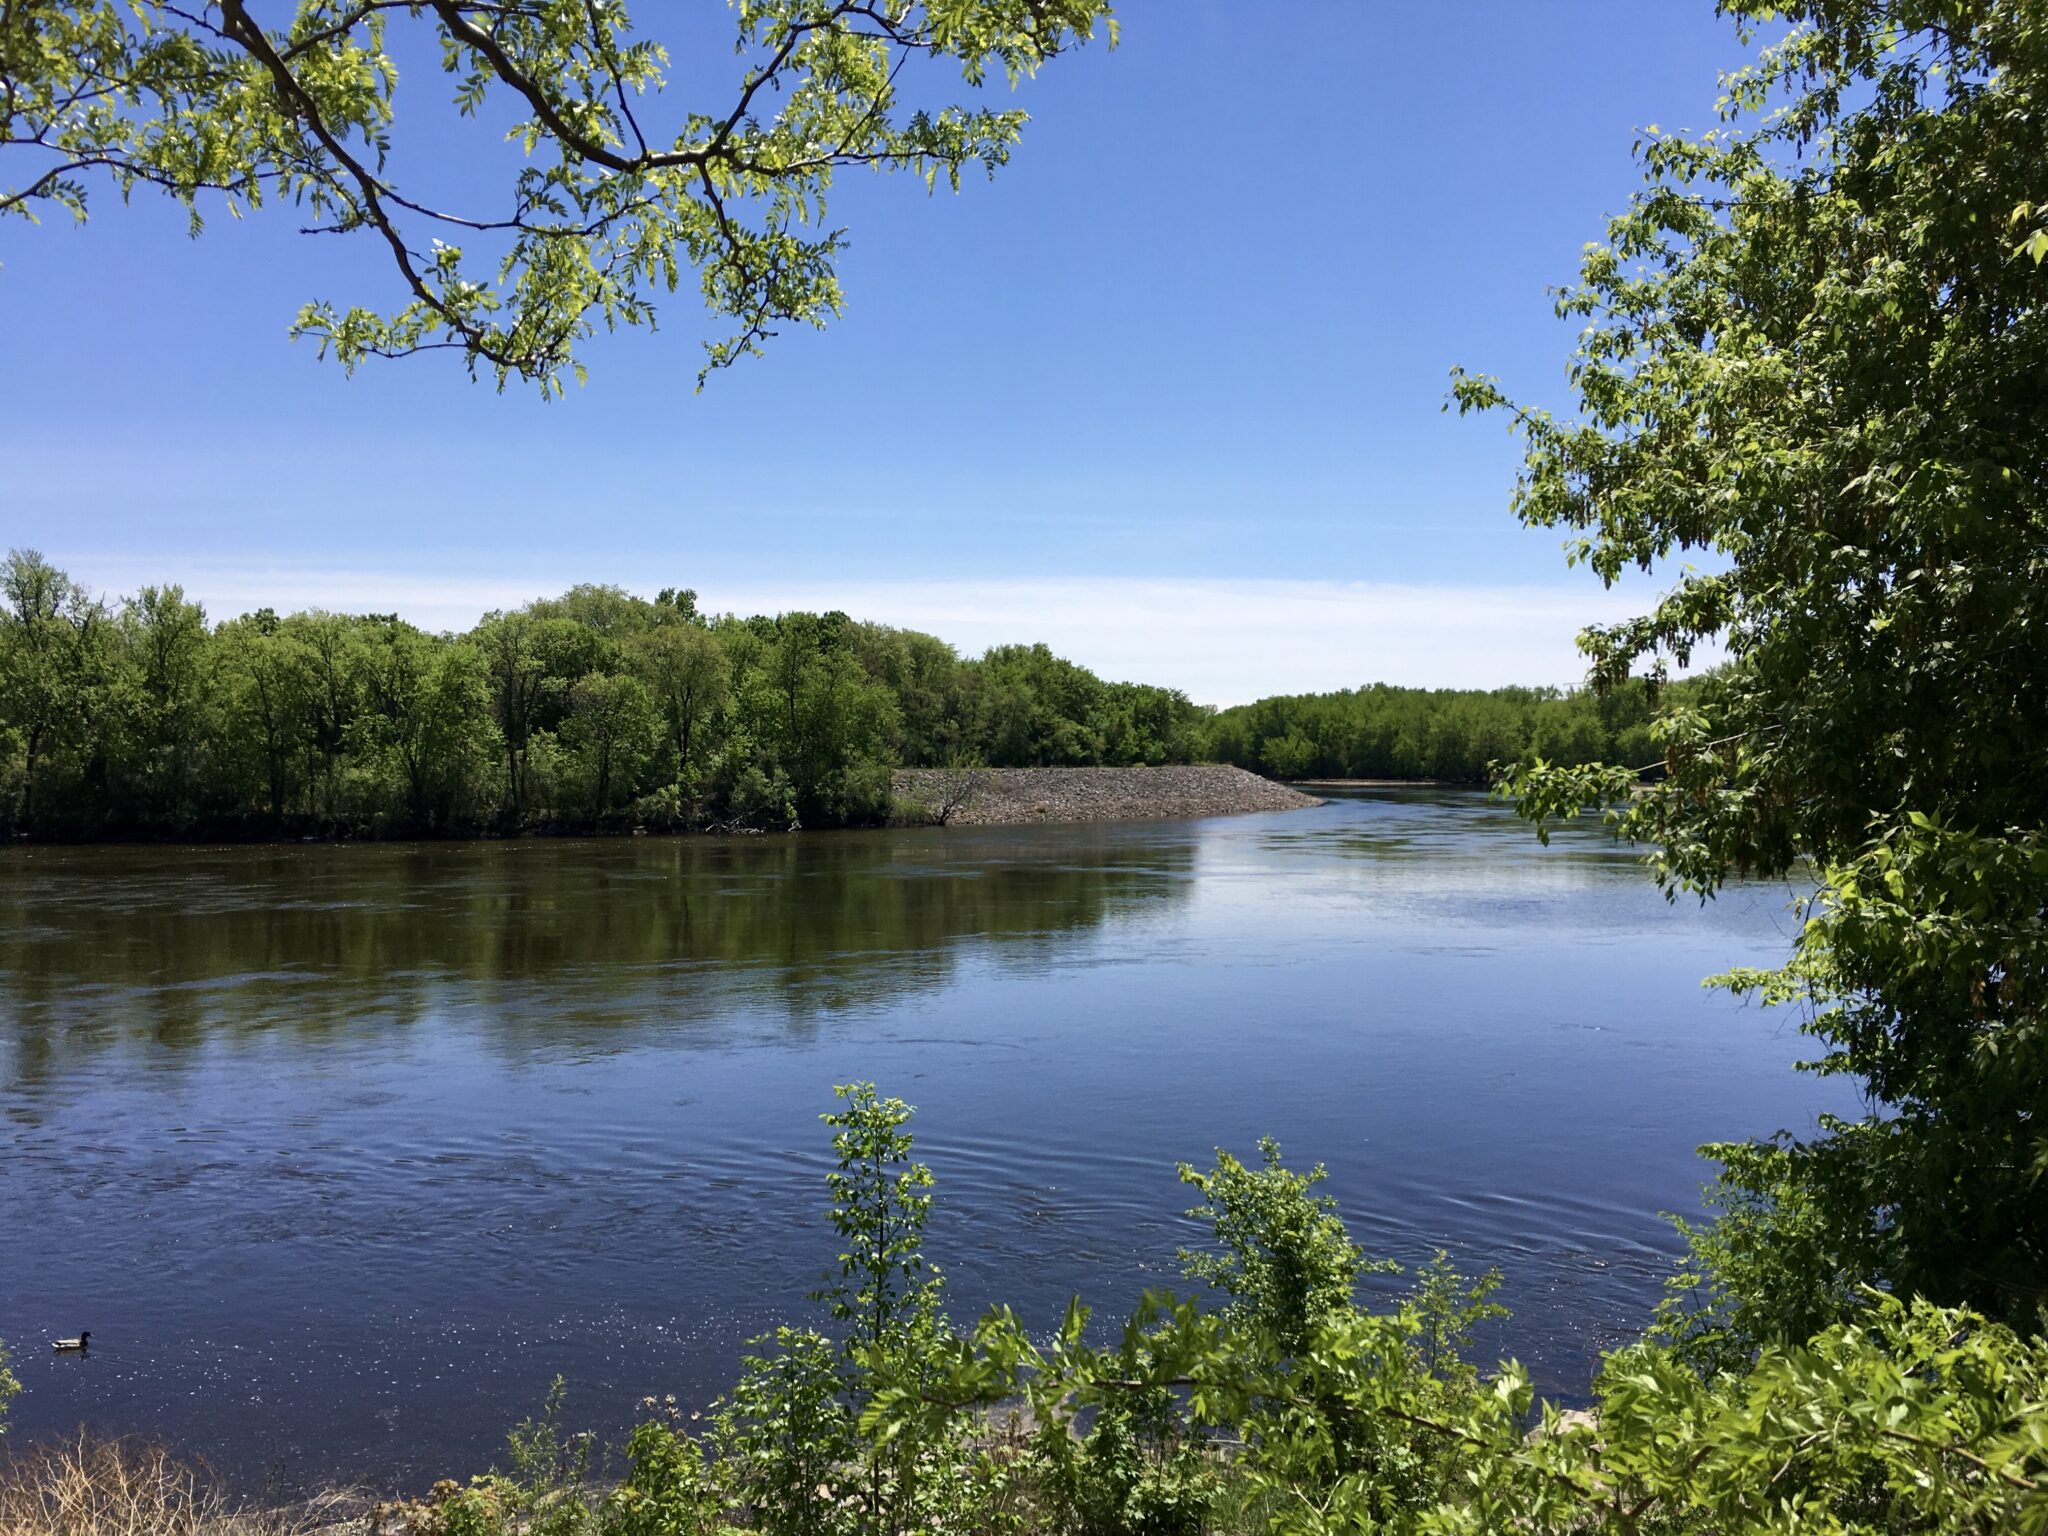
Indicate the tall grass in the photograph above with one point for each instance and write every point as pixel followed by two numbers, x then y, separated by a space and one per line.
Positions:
pixel 89 1486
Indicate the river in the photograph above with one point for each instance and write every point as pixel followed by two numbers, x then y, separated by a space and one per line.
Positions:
pixel 342 1152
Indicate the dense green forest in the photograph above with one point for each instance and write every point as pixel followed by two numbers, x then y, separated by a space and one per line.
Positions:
pixel 600 710
pixel 592 710
pixel 1382 732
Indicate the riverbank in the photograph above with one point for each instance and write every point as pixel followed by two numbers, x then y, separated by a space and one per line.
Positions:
pixel 918 797
pixel 987 797
pixel 1388 783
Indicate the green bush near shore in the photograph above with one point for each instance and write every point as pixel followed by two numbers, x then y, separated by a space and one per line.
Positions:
pixel 10 1388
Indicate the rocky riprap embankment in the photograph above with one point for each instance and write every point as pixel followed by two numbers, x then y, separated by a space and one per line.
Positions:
pixel 979 797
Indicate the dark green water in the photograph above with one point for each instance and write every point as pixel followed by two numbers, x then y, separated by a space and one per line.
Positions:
pixel 342 1152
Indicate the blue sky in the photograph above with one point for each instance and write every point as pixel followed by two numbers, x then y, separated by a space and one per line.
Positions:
pixel 1166 393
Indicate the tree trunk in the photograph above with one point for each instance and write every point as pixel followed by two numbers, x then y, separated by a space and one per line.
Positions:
pixel 28 776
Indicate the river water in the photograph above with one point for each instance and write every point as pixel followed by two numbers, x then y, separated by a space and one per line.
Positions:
pixel 342 1153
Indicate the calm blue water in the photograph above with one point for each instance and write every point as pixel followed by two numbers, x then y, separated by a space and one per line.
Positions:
pixel 343 1152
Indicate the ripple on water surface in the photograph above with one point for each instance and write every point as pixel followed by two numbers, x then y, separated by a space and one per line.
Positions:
pixel 343 1152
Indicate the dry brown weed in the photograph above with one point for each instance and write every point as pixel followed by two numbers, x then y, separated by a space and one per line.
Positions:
pixel 88 1486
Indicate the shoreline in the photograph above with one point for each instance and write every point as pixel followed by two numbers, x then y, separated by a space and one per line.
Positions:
pixel 928 797
pixel 1388 783
pixel 1009 797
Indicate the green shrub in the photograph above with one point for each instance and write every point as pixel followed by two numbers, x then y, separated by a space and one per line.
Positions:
pixel 670 1489
pixel 10 1388
pixel 1140 1470
pixel 785 1437
pixel 1286 1261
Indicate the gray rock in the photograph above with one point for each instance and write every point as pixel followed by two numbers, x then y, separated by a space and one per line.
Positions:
pixel 1013 796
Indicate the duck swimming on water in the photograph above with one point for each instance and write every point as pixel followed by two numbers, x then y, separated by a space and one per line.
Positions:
pixel 77 1343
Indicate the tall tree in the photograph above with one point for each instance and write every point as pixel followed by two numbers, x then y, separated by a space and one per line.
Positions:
pixel 1816 345
pixel 612 719
pixel 937 704
pixel 618 192
pixel 429 713
pixel 333 663
pixel 165 637
pixel 531 661
pixel 1043 708
pixel 51 642
pixel 684 666
pixel 266 675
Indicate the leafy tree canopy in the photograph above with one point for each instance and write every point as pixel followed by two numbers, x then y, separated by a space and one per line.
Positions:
pixel 1815 347
pixel 618 191
pixel 593 709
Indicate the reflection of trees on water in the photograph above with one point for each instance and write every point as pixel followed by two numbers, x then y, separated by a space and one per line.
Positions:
pixel 171 948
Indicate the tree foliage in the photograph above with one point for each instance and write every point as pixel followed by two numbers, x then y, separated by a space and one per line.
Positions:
pixel 1282 1254
pixel 1455 734
pixel 1816 349
pixel 610 193
pixel 593 710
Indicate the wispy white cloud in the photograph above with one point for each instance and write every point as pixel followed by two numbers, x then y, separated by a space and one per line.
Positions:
pixel 1227 641
pixel 1223 641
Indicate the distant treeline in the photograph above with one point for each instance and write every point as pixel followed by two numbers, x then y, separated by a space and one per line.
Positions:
pixel 600 710
pixel 1441 733
pixel 597 709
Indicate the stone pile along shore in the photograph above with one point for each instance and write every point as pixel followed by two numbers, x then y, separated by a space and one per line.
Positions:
pixel 987 797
